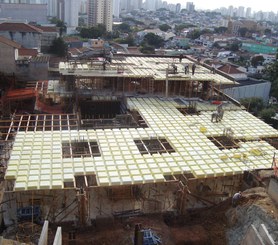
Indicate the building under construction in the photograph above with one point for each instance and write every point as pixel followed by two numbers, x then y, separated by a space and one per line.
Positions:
pixel 133 135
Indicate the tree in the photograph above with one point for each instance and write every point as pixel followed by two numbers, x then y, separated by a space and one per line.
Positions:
pixel 242 31
pixel 59 47
pixel 60 24
pixel 93 32
pixel 194 34
pixel 153 40
pixel 146 49
pixel 267 113
pixel 221 29
pixel 271 74
pixel 234 46
pixel 124 27
pixel 253 104
pixel 267 32
pixel 257 60
pixel 164 27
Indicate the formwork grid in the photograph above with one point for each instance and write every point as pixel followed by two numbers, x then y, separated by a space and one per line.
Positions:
pixel 37 122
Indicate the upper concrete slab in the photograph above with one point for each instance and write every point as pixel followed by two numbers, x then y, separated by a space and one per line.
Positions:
pixel 154 67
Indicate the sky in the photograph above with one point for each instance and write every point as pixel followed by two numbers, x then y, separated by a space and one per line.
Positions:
pixel 255 5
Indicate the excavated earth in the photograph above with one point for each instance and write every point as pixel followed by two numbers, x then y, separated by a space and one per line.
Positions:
pixel 217 225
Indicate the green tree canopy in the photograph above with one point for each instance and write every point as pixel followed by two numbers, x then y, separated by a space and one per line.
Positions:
pixel 60 24
pixel 147 49
pixel 164 27
pixel 59 47
pixel 153 40
pixel 271 74
pixel 267 32
pixel 129 40
pixel 267 113
pixel 234 46
pixel 253 104
pixel 242 31
pixel 257 60
pixel 93 32
pixel 221 29
pixel 123 27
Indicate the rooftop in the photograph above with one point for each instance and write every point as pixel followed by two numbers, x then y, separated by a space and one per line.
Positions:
pixel 18 27
pixel 139 67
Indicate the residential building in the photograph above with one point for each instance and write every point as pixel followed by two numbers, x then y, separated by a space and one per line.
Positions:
pixel 178 7
pixel 116 8
pixel 248 13
pixel 49 33
pixel 52 8
pixel 100 12
pixel 68 12
pixel 241 11
pixel 27 35
pixel 22 62
pixel 190 7
pixel 9 50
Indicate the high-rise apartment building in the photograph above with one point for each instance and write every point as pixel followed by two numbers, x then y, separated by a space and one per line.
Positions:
pixel 67 11
pixel 116 8
pixel 190 7
pixel 241 11
pixel 100 12
pixel 248 13
pixel 52 7
pixel 178 7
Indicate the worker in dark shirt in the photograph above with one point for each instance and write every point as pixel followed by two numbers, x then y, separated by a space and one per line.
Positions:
pixel 236 198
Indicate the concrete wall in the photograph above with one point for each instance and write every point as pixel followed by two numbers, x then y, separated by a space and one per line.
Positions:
pixel 273 190
pixel 26 39
pixel 103 202
pixel 7 60
pixel 256 90
pixel 47 39
pixel 258 236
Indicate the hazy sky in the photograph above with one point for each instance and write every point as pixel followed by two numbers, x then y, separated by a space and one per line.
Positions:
pixel 255 5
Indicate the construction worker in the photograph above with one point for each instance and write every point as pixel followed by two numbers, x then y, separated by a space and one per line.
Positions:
pixel 193 68
pixel 236 198
pixel 186 69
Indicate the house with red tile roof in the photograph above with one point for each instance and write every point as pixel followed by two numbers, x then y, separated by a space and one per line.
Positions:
pixel 22 62
pixel 9 52
pixel 27 35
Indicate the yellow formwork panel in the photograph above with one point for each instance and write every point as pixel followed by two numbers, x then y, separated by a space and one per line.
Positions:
pixel 20 186
pixel 32 185
pixel 121 159
pixel 11 174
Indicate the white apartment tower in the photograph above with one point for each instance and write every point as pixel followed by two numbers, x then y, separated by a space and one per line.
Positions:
pixel 52 7
pixel 241 11
pixel 67 11
pixel 248 13
pixel 100 12
pixel 116 8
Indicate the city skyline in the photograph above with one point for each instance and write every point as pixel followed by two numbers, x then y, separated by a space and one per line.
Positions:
pixel 265 6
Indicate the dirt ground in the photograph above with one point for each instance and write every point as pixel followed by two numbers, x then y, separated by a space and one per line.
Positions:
pixel 207 226
pixel 198 227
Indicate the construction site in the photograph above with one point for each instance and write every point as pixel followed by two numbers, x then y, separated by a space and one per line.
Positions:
pixel 133 150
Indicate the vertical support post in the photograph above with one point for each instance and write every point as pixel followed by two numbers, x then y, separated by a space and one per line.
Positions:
pixel 167 84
